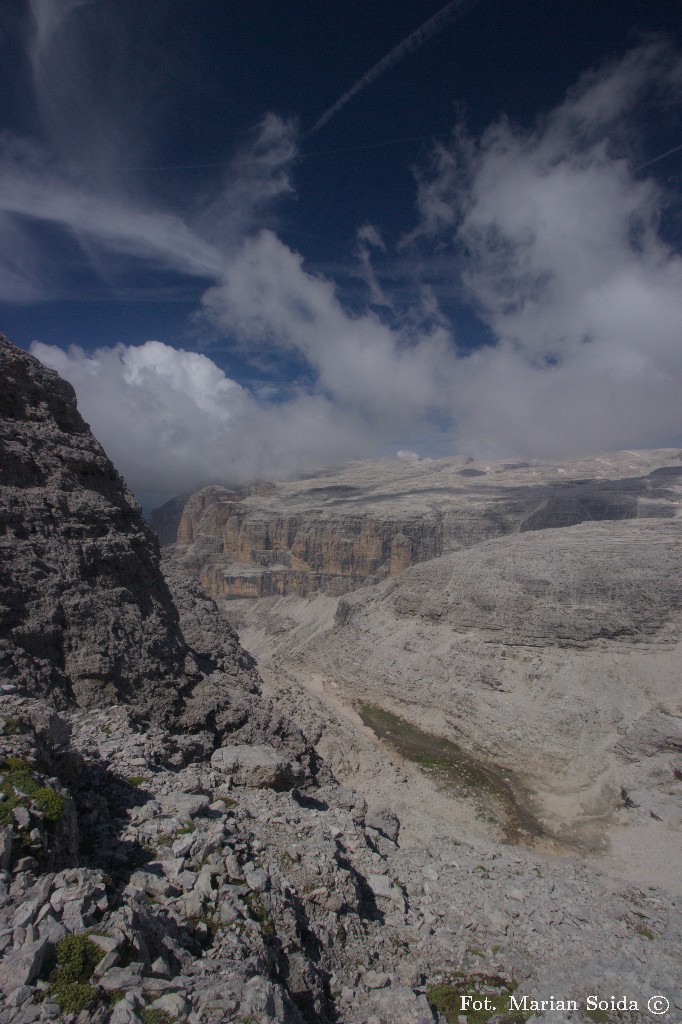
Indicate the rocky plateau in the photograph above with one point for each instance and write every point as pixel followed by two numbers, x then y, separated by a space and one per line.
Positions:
pixel 536 624
pixel 336 531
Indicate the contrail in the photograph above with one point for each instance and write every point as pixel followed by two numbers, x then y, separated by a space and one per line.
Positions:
pixel 407 46
pixel 655 160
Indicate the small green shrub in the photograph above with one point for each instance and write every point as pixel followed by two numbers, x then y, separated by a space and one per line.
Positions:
pixel 148 1016
pixel 50 803
pixel 76 957
pixel 446 998
pixel 11 727
pixel 645 933
pixel 598 1016
pixel 73 996
pixel 17 774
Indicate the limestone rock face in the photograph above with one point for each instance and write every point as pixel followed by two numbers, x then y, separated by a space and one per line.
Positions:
pixel 86 615
pixel 373 520
pixel 555 655
pixel 248 547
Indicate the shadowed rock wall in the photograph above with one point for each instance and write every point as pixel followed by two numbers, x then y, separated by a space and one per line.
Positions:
pixel 86 614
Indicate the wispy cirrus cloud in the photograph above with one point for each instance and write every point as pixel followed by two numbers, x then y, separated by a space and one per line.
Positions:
pixel 80 170
pixel 34 189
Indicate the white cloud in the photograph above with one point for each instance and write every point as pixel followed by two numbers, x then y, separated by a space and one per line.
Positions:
pixel 48 16
pixel 258 176
pixel 97 126
pixel 564 260
pixel 267 296
pixel 368 237
pixel 21 280
pixel 33 190
pixel 172 421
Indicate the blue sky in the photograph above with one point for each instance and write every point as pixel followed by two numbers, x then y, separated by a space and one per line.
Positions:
pixel 262 236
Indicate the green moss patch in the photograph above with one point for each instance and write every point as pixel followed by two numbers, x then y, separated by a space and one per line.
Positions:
pixel 137 780
pixel 20 788
pixel 598 1016
pixel 455 769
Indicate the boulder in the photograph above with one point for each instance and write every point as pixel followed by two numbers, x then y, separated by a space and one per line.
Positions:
pixel 384 821
pixel 258 765
pixel 22 966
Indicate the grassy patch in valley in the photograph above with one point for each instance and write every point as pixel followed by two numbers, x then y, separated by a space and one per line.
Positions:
pixel 458 770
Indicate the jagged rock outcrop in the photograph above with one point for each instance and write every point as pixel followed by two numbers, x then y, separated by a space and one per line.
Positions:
pixel 87 616
pixel 371 521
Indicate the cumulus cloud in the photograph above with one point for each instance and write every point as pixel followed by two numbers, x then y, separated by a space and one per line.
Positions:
pixel 171 420
pixel 560 250
pixel 267 296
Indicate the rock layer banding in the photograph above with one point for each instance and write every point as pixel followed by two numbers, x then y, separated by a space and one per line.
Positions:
pixel 372 521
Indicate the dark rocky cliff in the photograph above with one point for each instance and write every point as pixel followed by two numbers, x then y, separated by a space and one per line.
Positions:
pixel 86 614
